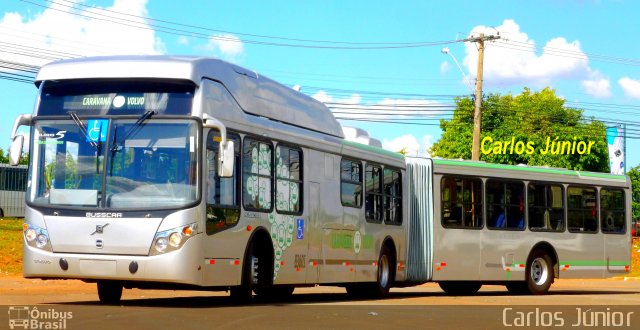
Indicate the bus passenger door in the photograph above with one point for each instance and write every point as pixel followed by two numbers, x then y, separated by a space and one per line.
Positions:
pixel 313 234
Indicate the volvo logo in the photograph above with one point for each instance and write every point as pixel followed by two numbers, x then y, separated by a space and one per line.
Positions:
pixel 99 229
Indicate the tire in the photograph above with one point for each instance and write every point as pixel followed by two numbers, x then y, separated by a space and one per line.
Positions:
pixel 1 213
pixel 539 273
pixel 109 292
pixel 460 288
pixel 256 275
pixel 385 274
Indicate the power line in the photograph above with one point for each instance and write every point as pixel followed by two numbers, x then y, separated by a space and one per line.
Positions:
pixel 182 32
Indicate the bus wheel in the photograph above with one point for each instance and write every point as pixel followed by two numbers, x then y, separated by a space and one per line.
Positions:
pixel 1 213
pixel 109 292
pixel 539 273
pixel 460 288
pixel 242 294
pixel 386 267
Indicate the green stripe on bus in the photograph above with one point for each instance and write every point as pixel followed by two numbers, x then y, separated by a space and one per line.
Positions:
pixel 373 149
pixel 594 263
pixel 528 169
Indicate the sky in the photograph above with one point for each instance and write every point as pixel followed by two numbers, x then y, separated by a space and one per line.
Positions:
pixel 364 59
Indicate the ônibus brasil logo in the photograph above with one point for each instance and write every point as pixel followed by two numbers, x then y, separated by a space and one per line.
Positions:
pixel 25 317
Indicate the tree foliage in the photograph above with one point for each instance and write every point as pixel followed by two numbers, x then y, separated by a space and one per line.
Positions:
pixel 529 116
pixel 4 159
pixel 634 175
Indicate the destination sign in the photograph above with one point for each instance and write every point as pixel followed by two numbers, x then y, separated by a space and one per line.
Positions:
pixel 117 104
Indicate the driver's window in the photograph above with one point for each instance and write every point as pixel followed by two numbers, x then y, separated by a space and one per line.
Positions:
pixel 223 198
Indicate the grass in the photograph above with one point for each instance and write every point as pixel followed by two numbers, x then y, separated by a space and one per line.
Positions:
pixel 10 246
pixel 635 257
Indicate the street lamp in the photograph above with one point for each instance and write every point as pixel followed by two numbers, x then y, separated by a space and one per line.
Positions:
pixel 464 75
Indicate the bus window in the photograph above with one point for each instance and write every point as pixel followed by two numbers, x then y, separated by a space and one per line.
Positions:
pixel 582 209
pixel 392 190
pixel 257 177
pixel 373 193
pixel 505 202
pixel 461 202
pixel 288 180
pixel 351 183
pixel 223 202
pixel 612 211
pixel 546 207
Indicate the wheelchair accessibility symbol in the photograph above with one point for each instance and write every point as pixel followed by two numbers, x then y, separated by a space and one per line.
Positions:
pixel 97 130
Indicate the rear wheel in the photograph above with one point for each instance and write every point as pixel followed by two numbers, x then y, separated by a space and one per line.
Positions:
pixel 386 267
pixel 460 288
pixel 109 292
pixel 539 273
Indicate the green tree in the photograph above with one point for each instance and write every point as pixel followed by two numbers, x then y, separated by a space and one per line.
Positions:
pixel 527 117
pixel 4 159
pixel 634 175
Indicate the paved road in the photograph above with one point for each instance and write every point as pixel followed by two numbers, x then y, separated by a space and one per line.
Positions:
pixel 617 300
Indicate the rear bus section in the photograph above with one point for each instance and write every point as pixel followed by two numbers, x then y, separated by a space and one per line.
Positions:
pixel 524 227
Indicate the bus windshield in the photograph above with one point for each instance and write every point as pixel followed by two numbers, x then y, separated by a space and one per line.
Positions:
pixel 146 164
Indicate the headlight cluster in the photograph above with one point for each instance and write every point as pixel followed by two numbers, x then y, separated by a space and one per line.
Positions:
pixel 36 236
pixel 172 239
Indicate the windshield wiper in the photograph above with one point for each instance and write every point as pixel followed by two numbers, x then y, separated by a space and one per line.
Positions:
pixel 83 128
pixel 138 124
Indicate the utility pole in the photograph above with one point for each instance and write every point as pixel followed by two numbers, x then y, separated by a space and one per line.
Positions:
pixel 477 114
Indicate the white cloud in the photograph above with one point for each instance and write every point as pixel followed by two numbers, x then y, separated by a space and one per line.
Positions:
pixel 225 46
pixel 630 87
pixel 56 32
pixel 444 67
pixel 597 86
pixel 513 59
pixel 183 40
pixel 410 144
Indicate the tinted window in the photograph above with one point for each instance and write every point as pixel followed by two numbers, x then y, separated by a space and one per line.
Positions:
pixel 612 211
pixel 351 183
pixel 257 178
pixel 288 180
pixel 546 207
pixel 582 209
pixel 461 202
pixel 505 205
pixel 392 190
pixel 223 198
pixel 373 193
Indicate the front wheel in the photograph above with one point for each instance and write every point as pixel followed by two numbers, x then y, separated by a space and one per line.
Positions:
pixel 109 292
pixel 539 273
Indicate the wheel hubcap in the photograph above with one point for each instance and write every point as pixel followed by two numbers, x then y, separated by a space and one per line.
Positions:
pixel 539 271
pixel 383 271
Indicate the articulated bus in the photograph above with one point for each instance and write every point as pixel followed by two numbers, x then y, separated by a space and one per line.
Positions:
pixel 193 173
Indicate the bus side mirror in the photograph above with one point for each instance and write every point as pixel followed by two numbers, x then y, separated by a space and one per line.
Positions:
pixel 15 151
pixel 226 160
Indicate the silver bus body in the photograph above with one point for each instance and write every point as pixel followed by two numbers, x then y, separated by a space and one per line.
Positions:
pixel 314 236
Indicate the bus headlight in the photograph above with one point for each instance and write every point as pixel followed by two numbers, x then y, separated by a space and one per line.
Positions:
pixel 172 239
pixel 36 237
pixel 161 244
pixel 175 239
pixel 41 240
pixel 30 234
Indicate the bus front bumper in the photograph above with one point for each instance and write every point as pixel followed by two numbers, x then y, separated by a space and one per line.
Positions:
pixel 180 266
